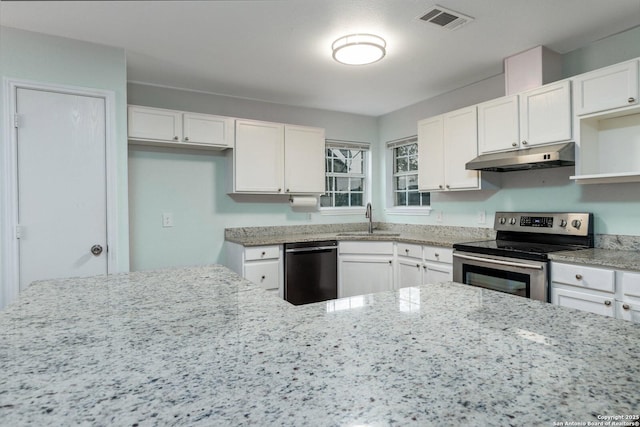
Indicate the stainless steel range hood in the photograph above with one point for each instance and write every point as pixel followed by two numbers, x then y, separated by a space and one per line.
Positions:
pixel 548 156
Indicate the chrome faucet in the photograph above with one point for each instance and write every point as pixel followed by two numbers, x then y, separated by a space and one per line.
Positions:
pixel 368 215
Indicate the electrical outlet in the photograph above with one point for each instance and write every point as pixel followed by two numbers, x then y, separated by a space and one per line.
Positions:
pixel 439 216
pixel 482 217
pixel 167 220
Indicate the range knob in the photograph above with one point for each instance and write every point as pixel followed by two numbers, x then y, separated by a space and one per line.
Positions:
pixel 502 220
pixel 576 223
pixel 512 221
pixel 563 223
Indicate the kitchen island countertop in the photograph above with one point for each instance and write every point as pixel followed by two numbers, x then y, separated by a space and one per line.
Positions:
pixel 202 346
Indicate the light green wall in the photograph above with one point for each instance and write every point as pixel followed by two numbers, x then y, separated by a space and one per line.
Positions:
pixel 41 58
pixel 192 185
pixel 616 206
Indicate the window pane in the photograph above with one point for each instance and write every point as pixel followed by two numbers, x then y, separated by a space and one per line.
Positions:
pixel 339 165
pixel 401 183
pixel 426 199
pixel 356 165
pixel 413 163
pixel 401 151
pixel 325 201
pixel 342 184
pixel 412 149
pixel 401 164
pixel 356 199
pixel 342 199
pixel 414 198
pixel 356 184
pixel 412 182
pixel 401 198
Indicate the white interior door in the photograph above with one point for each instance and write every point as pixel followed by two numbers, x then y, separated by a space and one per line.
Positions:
pixel 62 204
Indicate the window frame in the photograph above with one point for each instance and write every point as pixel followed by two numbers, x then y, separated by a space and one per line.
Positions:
pixel 365 148
pixel 391 175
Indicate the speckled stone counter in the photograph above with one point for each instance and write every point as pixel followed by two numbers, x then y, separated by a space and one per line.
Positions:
pixel 443 236
pixel 201 346
pixel 623 260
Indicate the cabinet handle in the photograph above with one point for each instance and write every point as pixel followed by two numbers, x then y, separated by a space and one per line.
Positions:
pixel 287 190
pixel 279 190
pixel 524 142
pixel 579 276
pixel 390 262
pixel 263 277
pixel 440 186
pixel 418 265
pixel 437 255
pixel 631 100
pixel 448 186
pixel 514 144
pixel 607 303
pixel 625 306
pixel 186 139
pixel 424 266
pixel 264 253
pixel 406 251
pixel 175 138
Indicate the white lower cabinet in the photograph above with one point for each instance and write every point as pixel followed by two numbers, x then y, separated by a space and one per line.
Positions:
pixel 419 265
pixel 598 290
pixel 261 265
pixel 364 268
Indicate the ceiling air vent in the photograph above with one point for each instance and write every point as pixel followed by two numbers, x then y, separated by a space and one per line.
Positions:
pixel 445 18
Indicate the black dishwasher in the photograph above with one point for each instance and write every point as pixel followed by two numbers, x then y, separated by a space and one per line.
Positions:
pixel 311 272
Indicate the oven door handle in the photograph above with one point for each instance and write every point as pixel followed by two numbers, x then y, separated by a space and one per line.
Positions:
pixel 496 261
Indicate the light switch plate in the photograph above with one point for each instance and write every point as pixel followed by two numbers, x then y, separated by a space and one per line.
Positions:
pixel 439 216
pixel 167 219
pixel 482 217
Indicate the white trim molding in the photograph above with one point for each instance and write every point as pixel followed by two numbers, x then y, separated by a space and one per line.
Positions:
pixel 9 249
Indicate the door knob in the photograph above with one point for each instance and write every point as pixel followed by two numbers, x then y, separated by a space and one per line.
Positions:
pixel 96 250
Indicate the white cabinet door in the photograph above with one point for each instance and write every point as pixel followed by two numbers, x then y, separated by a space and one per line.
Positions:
pixel 438 273
pixel 460 146
pixel 409 272
pixel 498 128
pixel 259 157
pixel 431 154
pixel 265 274
pixel 304 159
pixel 361 275
pixel 606 88
pixel 584 301
pixel 154 124
pixel 208 129
pixel 545 114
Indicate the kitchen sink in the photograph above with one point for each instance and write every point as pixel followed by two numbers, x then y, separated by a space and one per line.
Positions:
pixel 366 233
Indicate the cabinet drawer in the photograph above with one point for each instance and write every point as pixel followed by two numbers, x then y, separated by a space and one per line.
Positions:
pixel 630 284
pixel 409 250
pixel 584 277
pixel 369 248
pixel 583 301
pixel 261 252
pixel 263 273
pixel 628 311
pixel 432 253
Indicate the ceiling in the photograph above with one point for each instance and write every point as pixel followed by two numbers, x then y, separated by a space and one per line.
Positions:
pixel 279 50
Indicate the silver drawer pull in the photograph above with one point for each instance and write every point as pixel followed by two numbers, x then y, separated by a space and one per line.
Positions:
pixel 263 277
pixel 626 306
pixel 579 276
pixel 418 265
pixel 631 100
pixel 607 303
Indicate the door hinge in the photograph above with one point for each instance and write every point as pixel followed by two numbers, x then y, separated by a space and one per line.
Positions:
pixel 19 232
pixel 16 120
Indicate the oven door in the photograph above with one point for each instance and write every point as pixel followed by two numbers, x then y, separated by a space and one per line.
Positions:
pixel 515 276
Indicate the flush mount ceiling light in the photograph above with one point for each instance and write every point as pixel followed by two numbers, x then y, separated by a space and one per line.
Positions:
pixel 359 49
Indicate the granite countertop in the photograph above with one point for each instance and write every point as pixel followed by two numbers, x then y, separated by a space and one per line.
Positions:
pixel 201 346
pixel 608 258
pixel 442 236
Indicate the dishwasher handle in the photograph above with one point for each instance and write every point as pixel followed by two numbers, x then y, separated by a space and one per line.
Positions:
pixel 311 249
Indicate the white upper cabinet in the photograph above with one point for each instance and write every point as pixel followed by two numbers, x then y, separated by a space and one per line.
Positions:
pixel 545 114
pixel 274 158
pixel 445 144
pixel 498 128
pixel 259 157
pixel 304 159
pixel 606 88
pixel 160 127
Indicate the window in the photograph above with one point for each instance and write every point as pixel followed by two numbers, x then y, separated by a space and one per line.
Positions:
pixel 405 174
pixel 346 166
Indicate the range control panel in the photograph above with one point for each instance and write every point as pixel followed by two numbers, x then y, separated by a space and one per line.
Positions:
pixel 576 224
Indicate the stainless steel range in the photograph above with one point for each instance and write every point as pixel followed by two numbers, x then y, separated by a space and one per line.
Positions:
pixel 517 261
